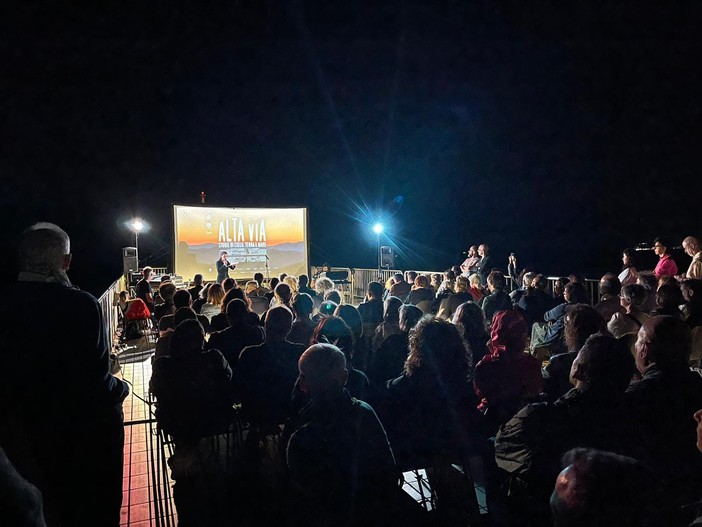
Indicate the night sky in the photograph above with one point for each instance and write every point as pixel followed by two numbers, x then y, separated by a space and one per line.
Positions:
pixel 560 131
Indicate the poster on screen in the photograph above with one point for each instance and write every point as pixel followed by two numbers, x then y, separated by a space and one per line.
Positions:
pixel 251 238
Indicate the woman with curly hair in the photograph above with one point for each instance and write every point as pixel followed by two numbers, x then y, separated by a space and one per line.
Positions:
pixel 431 408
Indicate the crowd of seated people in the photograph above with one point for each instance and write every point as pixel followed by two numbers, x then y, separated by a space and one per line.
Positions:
pixel 461 377
pixel 353 396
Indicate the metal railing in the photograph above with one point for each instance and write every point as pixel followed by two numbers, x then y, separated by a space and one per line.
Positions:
pixel 109 304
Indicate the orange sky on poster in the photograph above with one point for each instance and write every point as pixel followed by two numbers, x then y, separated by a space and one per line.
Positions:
pixel 200 225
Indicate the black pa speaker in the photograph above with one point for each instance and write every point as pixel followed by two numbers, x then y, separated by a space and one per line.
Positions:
pixel 129 260
pixel 387 256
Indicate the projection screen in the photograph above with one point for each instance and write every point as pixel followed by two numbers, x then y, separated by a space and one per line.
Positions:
pixel 248 236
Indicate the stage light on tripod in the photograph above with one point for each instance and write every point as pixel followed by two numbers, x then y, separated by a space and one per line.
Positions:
pixel 378 228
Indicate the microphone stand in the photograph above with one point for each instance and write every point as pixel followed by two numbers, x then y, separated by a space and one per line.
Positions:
pixel 268 271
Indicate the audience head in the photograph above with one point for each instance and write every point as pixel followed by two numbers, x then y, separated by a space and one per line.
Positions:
pixel 456 270
pixel 540 282
pixel 633 296
pixel 352 317
pixel 322 285
pixel 575 293
pixel 258 278
pixel 375 290
pixel 580 322
pixel 197 279
pixel 391 310
pixel 278 323
pixel 292 283
pixel 609 285
pixel 236 312
pixel 628 258
pixel 187 340
pixel 303 280
pixel 322 371
pixel 669 297
pixel 333 330
pixel 182 298
pixel 576 278
pixel 167 290
pixel 436 346
pixel 661 245
pixel 528 278
pixel 281 277
pixel 147 272
pixel 496 281
pixel 333 296
pixel 692 291
pixel 165 278
pixel 411 276
pixel 604 365
pixel 470 320
pixel 462 284
pixel 450 275
pixel 283 293
pixel 509 332
pixel 691 246
pixel 664 343
pixel 215 295
pixel 475 281
pixel 559 286
pixel 420 282
pixel 251 287
pixel 398 278
pixel 436 280
pixel 648 280
pixel 599 488
pixel 183 313
pixel 232 294
pixel 303 305
pixel 273 283
pixel 409 316
pixel 327 308
pixel 228 284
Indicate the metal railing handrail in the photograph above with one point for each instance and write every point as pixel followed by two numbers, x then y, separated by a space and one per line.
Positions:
pixel 109 304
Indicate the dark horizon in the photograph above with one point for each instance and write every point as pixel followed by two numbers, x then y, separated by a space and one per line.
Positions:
pixel 562 132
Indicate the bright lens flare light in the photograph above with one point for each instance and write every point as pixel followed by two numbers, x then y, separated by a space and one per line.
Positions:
pixel 137 225
pixel 378 228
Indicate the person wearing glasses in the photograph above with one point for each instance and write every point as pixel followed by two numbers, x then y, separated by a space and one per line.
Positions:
pixel 666 265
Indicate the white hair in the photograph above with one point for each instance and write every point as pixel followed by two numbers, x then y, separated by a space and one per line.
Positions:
pixel 43 248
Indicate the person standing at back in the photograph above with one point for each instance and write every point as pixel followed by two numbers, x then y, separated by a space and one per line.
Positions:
pixel 60 408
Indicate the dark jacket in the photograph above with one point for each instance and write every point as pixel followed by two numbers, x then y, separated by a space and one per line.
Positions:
pixel 534 305
pixel 232 340
pixel 529 446
pixel 265 377
pixel 341 458
pixel 663 432
pixel 497 301
pixel 194 395
pixel 57 387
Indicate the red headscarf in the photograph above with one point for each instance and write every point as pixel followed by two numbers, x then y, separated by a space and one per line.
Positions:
pixel 509 333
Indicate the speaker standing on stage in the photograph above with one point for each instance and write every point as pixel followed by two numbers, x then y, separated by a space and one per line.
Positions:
pixel 223 266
